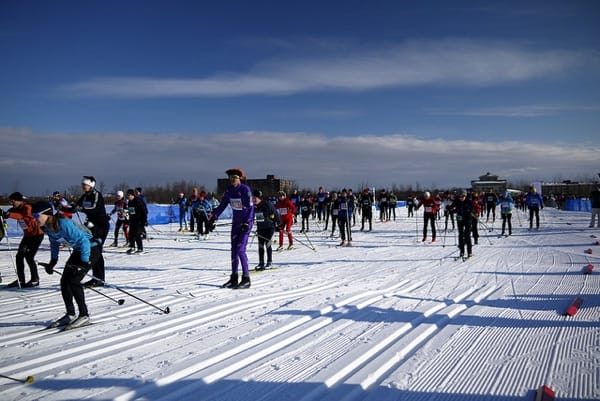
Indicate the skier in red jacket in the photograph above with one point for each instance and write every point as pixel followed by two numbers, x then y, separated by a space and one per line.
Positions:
pixel 430 209
pixel 287 210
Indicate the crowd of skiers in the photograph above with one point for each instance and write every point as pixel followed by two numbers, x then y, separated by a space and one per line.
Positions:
pixel 85 239
pixel 462 211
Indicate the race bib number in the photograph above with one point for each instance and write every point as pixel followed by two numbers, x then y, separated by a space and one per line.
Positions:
pixel 260 217
pixel 132 211
pixel 282 211
pixel 236 203
pixel 428 209
pixel 86 204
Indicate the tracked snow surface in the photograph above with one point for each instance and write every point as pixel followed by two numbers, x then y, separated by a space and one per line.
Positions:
pixel 390 318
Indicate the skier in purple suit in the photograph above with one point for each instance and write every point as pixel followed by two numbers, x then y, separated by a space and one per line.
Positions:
pixel 239 196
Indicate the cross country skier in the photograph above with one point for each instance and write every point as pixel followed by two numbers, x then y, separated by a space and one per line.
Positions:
pixel 366 204
pixel 306 209
pixel 506 205
pixel 201 208
pixel 335 211
pixel 534 203
pixel 120 209
pixel 91 203
pixel 137 213
pixel 344 216
pixel 182 202
pixel 430 209
pixel 287 211
pixel 464 210
pixel 239 196
pixel 86 253
pixel 491 200
pixel 267 219
pixel 30 243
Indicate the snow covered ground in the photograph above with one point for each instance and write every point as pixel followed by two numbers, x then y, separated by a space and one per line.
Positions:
pixel 390 318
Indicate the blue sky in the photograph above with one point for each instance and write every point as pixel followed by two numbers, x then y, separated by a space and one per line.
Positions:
pixel 332 93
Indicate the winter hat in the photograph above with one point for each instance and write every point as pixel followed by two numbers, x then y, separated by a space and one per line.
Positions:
pixel 89 180
pixel 120 194
pixel 130 192
pixel 462 192
pixel 427 194
pixel 281 193
pixel 16 196
pixel 202 194
pixel 258 194
pixel 42 207
pixel 237 172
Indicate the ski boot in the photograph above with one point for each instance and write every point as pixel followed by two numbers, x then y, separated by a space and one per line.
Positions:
pixel 245 283
pixel 232 283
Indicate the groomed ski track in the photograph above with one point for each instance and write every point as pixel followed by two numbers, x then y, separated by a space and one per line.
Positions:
pixel 389 318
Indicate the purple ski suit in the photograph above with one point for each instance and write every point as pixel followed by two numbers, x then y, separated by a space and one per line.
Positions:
pixel 240 199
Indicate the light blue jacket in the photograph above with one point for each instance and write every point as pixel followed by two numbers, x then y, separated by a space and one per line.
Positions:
pixel 506 204
pixel 69 233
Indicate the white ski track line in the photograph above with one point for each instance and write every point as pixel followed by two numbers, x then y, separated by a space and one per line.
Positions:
pixel 261 340
pixel 419 331
pixel 142 336
pixel 40 333
pixel 319 323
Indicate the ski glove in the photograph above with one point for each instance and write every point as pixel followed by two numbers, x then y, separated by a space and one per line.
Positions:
pixel 244 228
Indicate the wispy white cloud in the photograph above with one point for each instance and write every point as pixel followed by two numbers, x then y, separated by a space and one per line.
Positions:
pixel 310 159
pixel 415 63
pixel 519 111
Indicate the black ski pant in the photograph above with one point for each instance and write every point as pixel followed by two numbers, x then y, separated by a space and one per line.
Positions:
pixel 202 223
pixel 265 237
pixel 534 211
pixel 449 215
pixel 305 221
pixel 491 208
pixel 135 235
pixel 334 223
pixel 28 247
pixel 475 231
pixel 464 237
pixel 506 220
pixel 70 281
pixel 345 230
pixel 367 216
pixel 429 218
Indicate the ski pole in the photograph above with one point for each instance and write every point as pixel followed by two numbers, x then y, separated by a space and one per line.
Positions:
pixel 165 310
pixel 311 245
pixel 12 259
pixel 487 236
pixel 119 301
pixel 28 379
pixel 269 241
pixel 304 243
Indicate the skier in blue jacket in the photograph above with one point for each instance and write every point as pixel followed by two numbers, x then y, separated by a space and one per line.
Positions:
pixel 506 205
pixel 534 203
pixel 239 196
pixel 86 253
